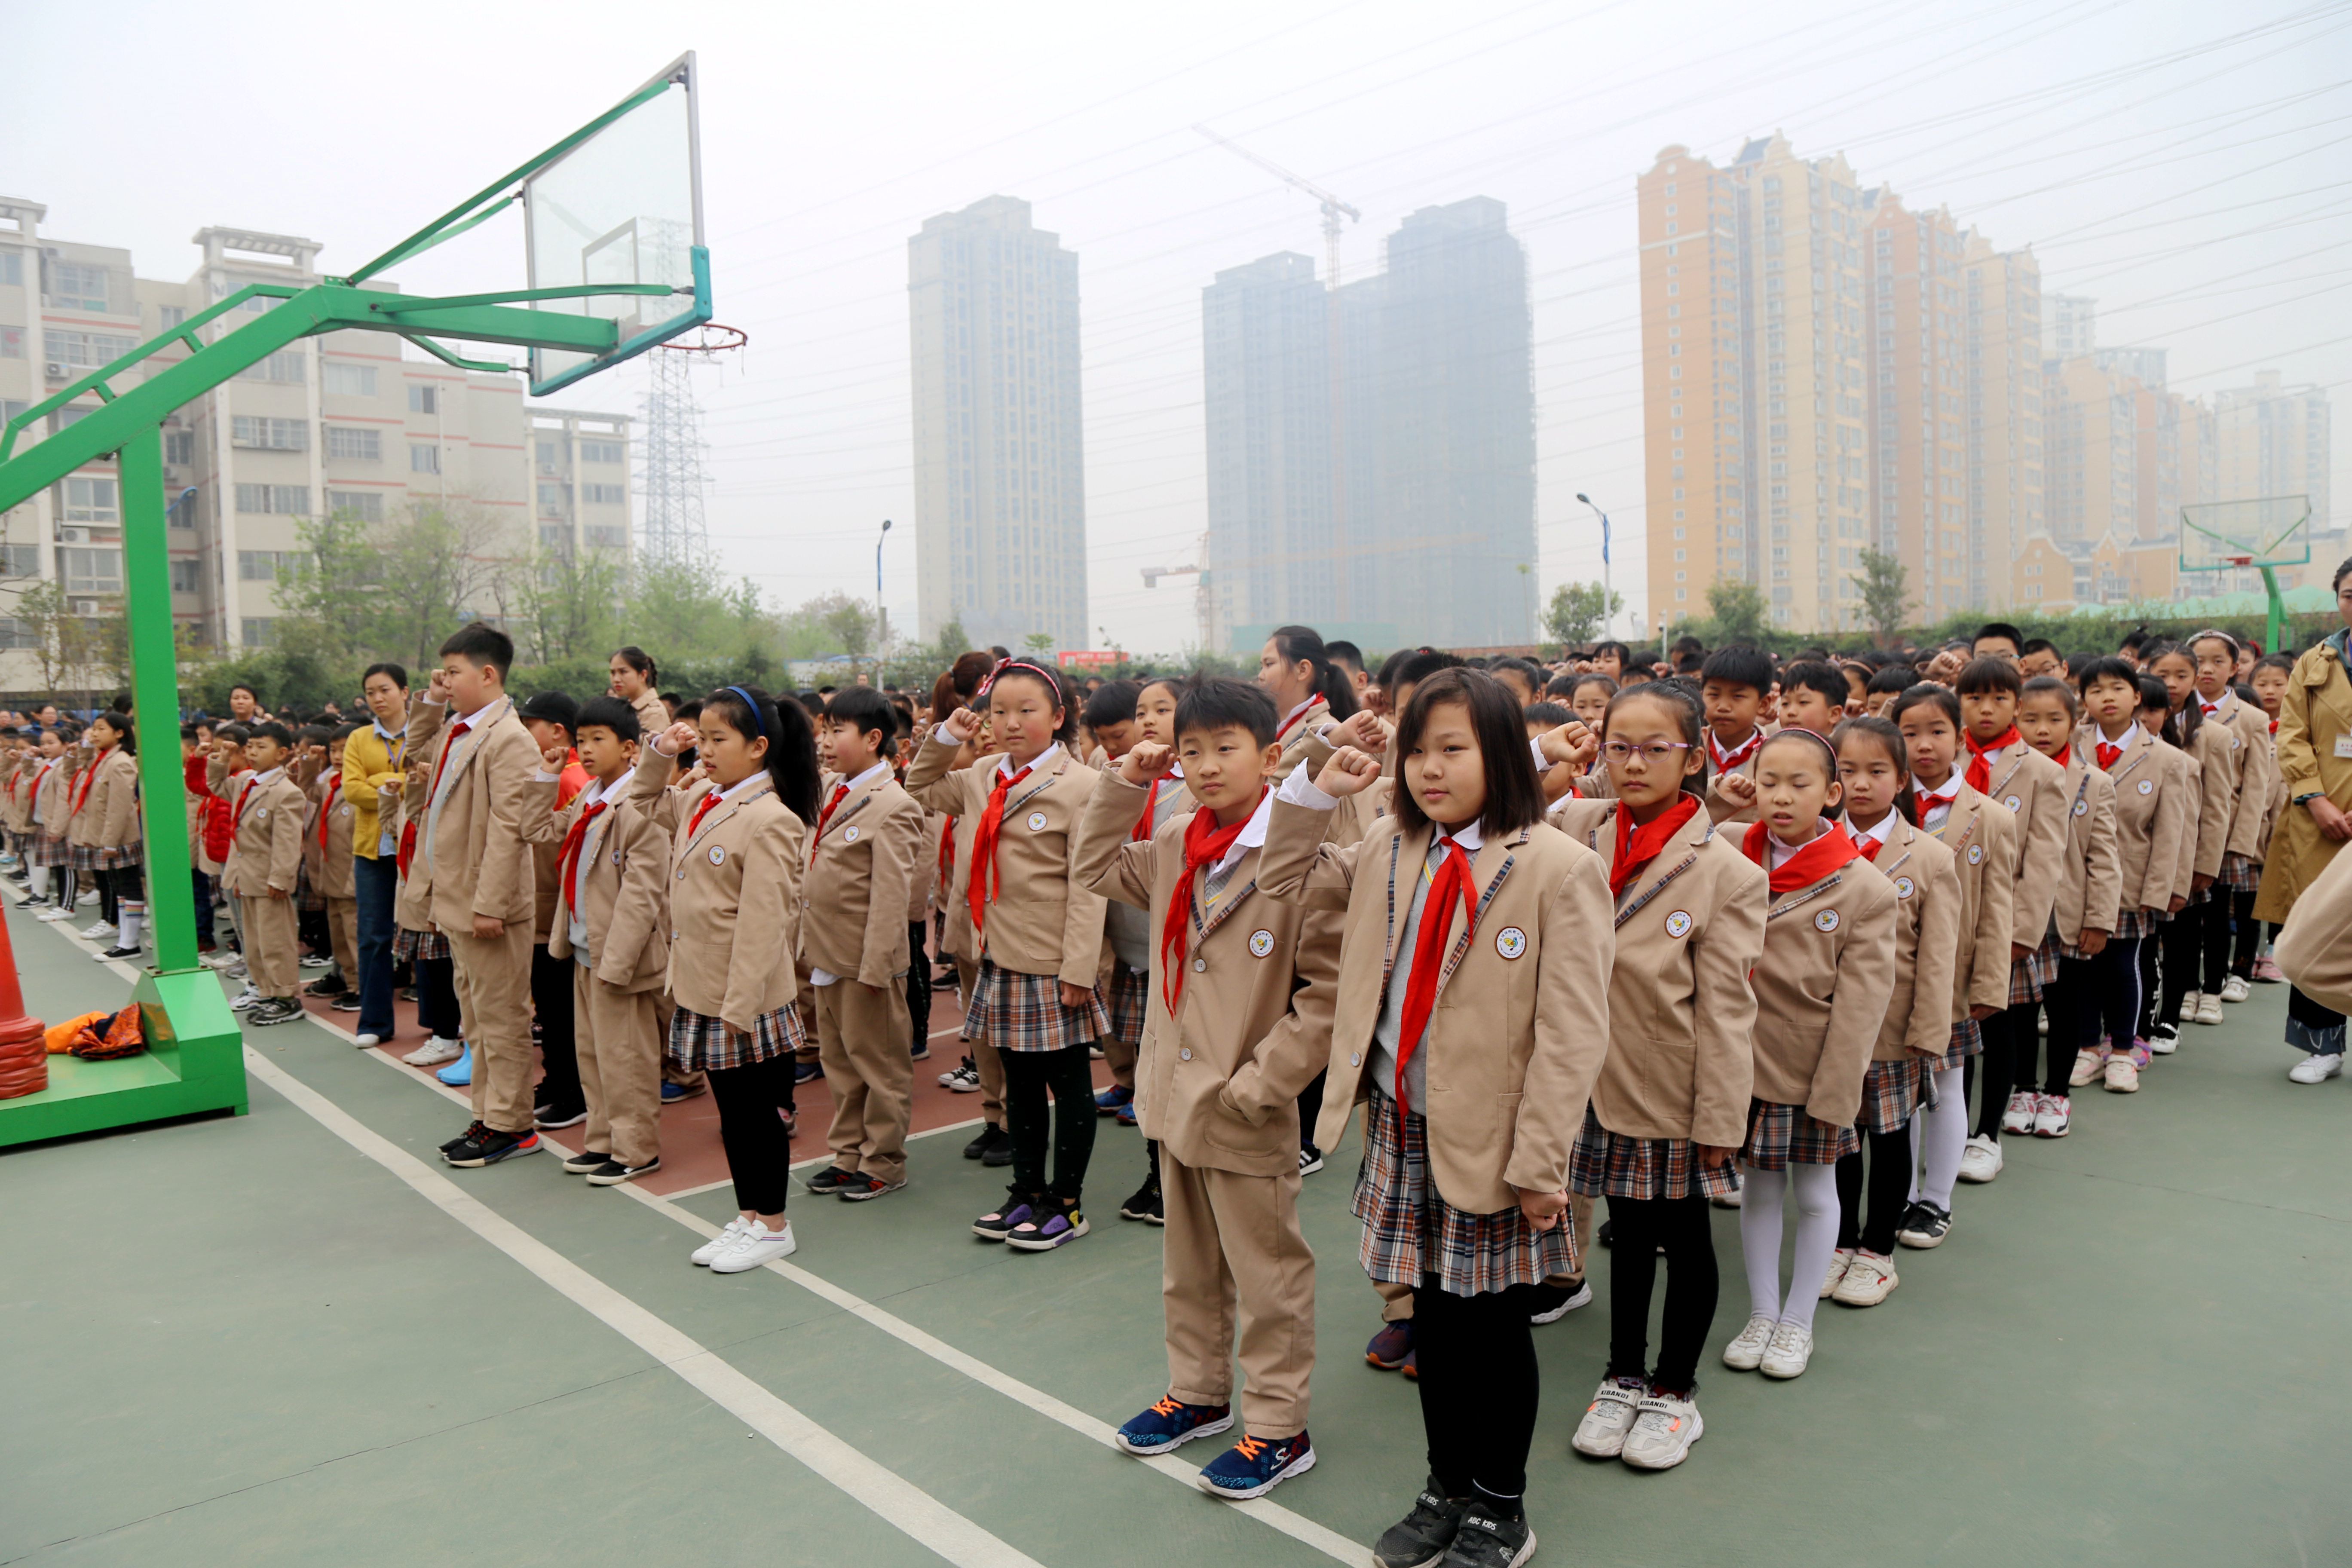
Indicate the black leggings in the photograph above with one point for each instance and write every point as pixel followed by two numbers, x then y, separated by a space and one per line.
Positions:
pixel 751 1101
pixel 919 987
pixel 437 997
pixel 2246 936
pixel 1475 1359
pixel 1637 1228
pixel 1889 1183
pixel 2006 1061
pixel 68 886
pixel 2184 942
pixel 119 882
pixel 1028 1077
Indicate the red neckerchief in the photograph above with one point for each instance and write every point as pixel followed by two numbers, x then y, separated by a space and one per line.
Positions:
pixel 1451 883
pixel 1865 843
pixel 567 859
pixel 243 795
pixel 2273 726
pixel 1291 723
pixel 1142 830
pixel 2064 755
pixel 1638 846
pixel 1825 854
pixel 2109 755
pixel 1980 774
pixel 88 777
pixel 984 849
pixel 1205 844
pixel 334 787
pixel 702 808
pixel 947 855
pixel 1723 760
pixel 448 744
pixel 840 793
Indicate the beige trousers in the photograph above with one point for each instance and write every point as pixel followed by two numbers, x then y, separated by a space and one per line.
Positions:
pixel 271 944
pixel 862 1040
pixel 1232 1257
pixel 619 1045
pixel 343 936
pixel 494 1001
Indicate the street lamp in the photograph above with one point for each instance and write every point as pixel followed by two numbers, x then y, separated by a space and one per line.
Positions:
pixel 881 614
pixel 1607 604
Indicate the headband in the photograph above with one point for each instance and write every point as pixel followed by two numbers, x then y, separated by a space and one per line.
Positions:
pixel 1827 750
pixel 1053 682
pixel 757 717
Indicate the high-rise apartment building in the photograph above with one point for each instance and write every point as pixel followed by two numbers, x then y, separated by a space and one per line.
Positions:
pixel 1919 298
pixel 2271 439
pixel 1428 534
pixel 2073 325
pixel 336 425
pixel 1000 475
pixel 2092 415
pixel 2003 339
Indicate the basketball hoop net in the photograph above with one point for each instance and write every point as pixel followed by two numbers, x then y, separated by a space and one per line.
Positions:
pixel 2239 560
pixel 710 338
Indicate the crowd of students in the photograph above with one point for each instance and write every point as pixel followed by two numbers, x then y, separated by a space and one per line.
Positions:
pixel 1723 930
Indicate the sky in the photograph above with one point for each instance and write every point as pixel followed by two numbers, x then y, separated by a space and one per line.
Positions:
pixel 2183 164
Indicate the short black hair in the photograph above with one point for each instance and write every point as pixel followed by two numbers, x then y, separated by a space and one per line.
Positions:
pixel 1741 665
pixel 247 690
pixel 229 731
pixel 608 712
pixel 1813 675
pixel 1112 702
pixel 1547 714
pixel 1343 652
pixel 1423 663
pixel 2001 629
pixel 2038 644
pixel 1576 683
pixel 1562 685
pixel 863 708
pixel 2275 662
pixel 2214 634
pixel 2046 685
pixel 1923 694
pixel 1515 798
pixel 483 644
pixel 187 732
pixel 552 708
pixel 1988 674
pixel 1889 740
pixel 1609 647
pixel 314 734
pixel 2139 636
pixel 1217 703
pixel 2106 667
pixel 385 667
pixel 268 729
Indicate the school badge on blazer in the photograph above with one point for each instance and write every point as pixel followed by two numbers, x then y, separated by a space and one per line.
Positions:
pixel 1510 941
pixel 1976 854
pixel 1261 943
pixel 1905 886
pixel 1827 921
pixel 1678 924
pixel 718 854
pixel 1036 822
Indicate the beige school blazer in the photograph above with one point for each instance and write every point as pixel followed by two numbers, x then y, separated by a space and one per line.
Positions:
pixel 2033 788
pixel 2315 945
pixel 109 817
pixel 328 865
pixel 268 849
pixel 1927 883
pixel 479 863
pixel 2154 817
pixel 1521 1022
pixel 624 876
pixel 854 894
pixel 2255 773
pixel 1980 839
pixel 1218 1083
pixel 1681 1016
pixel 734 893
pixel 1821 990
pixel 2216 801
pixel 2091 879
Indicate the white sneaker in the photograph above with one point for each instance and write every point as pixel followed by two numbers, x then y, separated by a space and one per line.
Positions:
pixel 433 1052
pixel 103 928
pixel 2123 1074
pixel 53 914
pixel 2056 1115
pixel 1602 1434
pixel 2317 1068
pixel 1662 1433
pixel 366 1042
pixel 1981 1160
pixel 754 1246
pixel 1580 1297
pixel 1744 1353
pixel 963 1080
pixel 2041 1025
pixel 224 959
pixel 2164 1040
pixel 2209 1008
pixel 2189 1000
pixel 1838 1261
pixel 1870 1281
pixel 245 1000
pixel 2235 989
pixel 702 1256
pixel 2024 1106
pixel 1791 1352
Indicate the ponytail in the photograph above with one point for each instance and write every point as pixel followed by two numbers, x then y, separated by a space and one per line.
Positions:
pixel 1331 682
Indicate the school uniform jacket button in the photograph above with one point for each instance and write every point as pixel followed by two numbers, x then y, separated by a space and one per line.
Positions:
pixel 1185 1055
pixel 1200 966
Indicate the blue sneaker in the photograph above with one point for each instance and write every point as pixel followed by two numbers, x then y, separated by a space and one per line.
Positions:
pixel 460 1073
pixel 1110 1099
pixel 1125 1117
pixel 674 1092
pixel 806 1072
pixel 1256 1466
pixel 1172 1424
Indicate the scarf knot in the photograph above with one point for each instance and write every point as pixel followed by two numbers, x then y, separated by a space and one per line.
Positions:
pixel 1638 846
pixel 1823 856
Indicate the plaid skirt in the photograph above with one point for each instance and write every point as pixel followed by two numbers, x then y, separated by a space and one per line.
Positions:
pixel 1021 1012
pixel 2239 874
pixel 1968 1040
pixel 700 1043
pixel 1130 999
pixel 2029 975
pixel 107 857
pixel 1609 1165
pixel 1779 1136
pixel 1891 1092
pixel 2132 922
pixel 408 946
pixel 1410 1231
pixel 48 851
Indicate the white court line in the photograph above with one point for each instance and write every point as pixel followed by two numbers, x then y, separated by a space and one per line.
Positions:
pixel 896 1500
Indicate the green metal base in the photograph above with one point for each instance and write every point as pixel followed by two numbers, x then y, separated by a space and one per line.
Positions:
pixel 194 1062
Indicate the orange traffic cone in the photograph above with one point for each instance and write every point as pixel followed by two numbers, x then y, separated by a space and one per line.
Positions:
pixel 24 1056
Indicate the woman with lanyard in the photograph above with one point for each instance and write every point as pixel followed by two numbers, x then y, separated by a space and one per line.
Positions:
pixel 2315 757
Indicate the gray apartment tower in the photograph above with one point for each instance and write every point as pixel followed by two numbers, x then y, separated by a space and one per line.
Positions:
pixel 1417 523
pixel 1000 477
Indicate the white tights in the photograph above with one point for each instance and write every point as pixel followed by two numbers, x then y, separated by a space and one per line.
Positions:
pixel 1759 1238
pixel 1938 1137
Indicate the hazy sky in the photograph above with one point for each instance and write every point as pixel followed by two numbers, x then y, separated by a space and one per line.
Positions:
pixel 2182 164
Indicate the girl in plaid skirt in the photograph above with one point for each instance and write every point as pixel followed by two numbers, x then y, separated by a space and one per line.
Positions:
pixel 2192 964
pixel 2084 918
pixel 104 804
pixel 50 849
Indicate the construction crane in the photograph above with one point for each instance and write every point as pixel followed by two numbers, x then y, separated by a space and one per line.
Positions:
pixel 1334 209
pixel 1204 599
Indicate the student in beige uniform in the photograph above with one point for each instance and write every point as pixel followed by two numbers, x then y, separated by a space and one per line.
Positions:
pixel 2231 934
pixel 1472 1020
pixel 739 848
pixel 610 927
pixel 862 854
pixel 1736 688
pixel 1671 1103
pixel 1881 818
pixel 633 677
pixel 1242 989
pixel 1822 989
pixel 1308 691
pixel 327 861
pixel 2186 953
pixel 104 828
pixel 268 810
pixel 52 848
pixel 473 870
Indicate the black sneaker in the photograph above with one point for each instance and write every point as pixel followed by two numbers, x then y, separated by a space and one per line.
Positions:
pixel 273 1010
pixel 1602 1235
pixel 862 1188
pixel 348 1002
pixel 489 1146
pixel 997 1224
pixel 406 994
pixel 831 1179
pixel 555 1117
pixel 473 1131
pixel 612 1173
pixel 1923 1225
pixel 993 1142
pixel 1310 1159
pixel 1421 1537
pixel 121 952
pixel 325 985
pixel 584 1162
pixel 1145 1204
pixel 1486 1540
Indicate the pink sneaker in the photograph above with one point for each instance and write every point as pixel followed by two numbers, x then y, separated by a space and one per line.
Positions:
pixel 2266 971
pixel 2140 1054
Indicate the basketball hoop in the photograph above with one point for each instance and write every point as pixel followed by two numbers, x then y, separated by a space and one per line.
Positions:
pixel 710 338
pixel 2239 560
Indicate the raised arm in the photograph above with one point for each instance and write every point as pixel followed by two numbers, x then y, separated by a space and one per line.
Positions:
pixel 1105 858
pixel 1298 865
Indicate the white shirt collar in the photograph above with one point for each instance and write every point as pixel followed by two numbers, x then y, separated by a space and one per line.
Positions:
pixel 263 778
pixel 746 782
pixel 1944 795
pixel 1468 835
pixel 387 734
pixel 597 789
pixel 874 775
pixel 1253 836
pixel 1881 833
pixel 1302 707
pixel 1006 770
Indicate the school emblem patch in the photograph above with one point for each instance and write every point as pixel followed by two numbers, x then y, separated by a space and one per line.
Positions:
pixel 1976 854
pixel 718 854
pixel 1036 822
pixel 2147 786
pixel 1905 886
pixel 2012 802
pixel 2081 807
pixel 1678 924
pixel 1827 921
pixel 1261 943
pixel 849 835
pixel 1510 941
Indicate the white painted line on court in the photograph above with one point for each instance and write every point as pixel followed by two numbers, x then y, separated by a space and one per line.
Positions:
pixel 896 1500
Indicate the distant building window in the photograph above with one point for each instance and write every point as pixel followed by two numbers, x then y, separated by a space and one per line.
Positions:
pixel 550 454
pixel 554 535
pixel 88 350
pixel 20 560
pixel 266 566
pixel 606 538
pixel 76 287
pixel 186 578
pixel 179 447
pixel 424 460
pixel 360 506
pixel 270 435
pixel 89 500
pixel 278 367
pixel 551 498
pixel 258 631
pixel 280 500
pixel 349 380
pixel 91 570
pixel 12 268
pixel 424 399
pixel 605 495
pixel 12 343
pixel 170 316
pixel 603 451
pixel 356 442
pixel 14 633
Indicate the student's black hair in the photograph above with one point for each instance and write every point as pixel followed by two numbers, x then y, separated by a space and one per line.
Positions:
pixel 2076 663
pixel 2276 661
pixel 641 662
pixel 484 644
pixel 345 732
pixel 1515 798
pixel 2106 667
pixel 1689 712
pixel 2153 693
pixel 2002 629
pixel 2139 637
pixel 1818 746
pixel 268 729
pixel 1547 714
pixel 2228 638
pixel 791 740
pixel 2191 716
pixel 1346 653
pixel 1425 662
pixel 121 724
pixel 863 708
pixel 1386 679
pixel 1292 644
pixel 314 734
pixel 2038 644
pixel 1888 738
pixel 1526 670
pixel 1562 685
pixel 1576 683
pixel 187 732
pixel 232 730
pixel 1174 683
pixel 1987 674
pixel 1893 677
pixel 1814 675
pixel 1741 665
pixel 399 673
pixel 2044 685
pixel 1922 694
pixel 2342 570
pixel 1055 686
pixel 1612 646
pixel 248 690
pixel 1112 702
pixel 1215 703
pixel 1689 644
pixel 610 713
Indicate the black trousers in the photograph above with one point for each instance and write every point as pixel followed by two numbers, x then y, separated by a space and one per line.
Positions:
pixel 1637 1228
pixel 551 998
pixel 437 997
pixel 1883 1166
pixel 2184 942
pixel 751 1102
pixel 2245 935
pixel 201 886
pixel 1029 1076
pixel 1476 1363
pixel 1310 1111
pixel 2008 1038
pixel 2214 938
pixel 919 987
pixel 2073 1006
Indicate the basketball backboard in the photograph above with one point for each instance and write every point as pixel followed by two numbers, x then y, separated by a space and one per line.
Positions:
pixel 2268 530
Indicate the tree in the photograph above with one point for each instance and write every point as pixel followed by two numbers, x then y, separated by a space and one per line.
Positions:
pixel 1579 610
pixel 331 583
pixel 1885 586
pixel 850 624
pixel 1038 642
pixel 1738 612
pixel 42 611
pixel 437 562
pixel 567 599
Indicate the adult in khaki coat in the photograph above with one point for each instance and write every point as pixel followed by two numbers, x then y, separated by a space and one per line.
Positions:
pixel 2314 758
